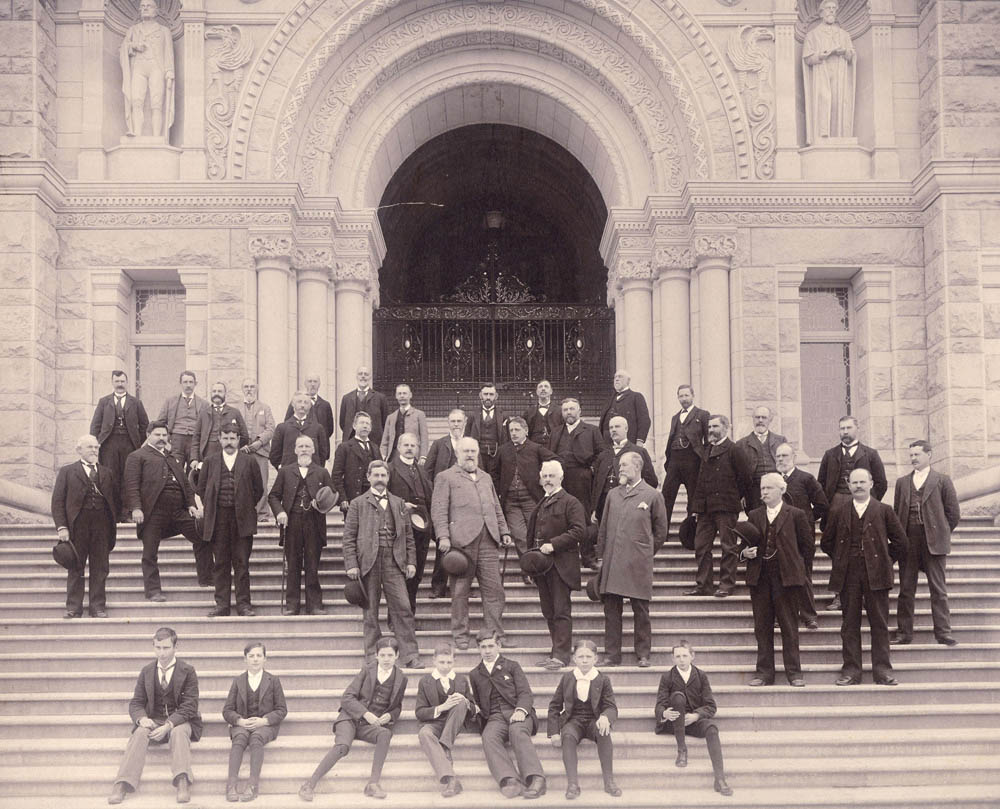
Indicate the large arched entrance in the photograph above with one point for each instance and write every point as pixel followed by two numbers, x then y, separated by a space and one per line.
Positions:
pixel 492 271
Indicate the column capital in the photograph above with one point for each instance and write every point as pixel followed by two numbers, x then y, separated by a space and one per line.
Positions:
pixel 715 246
pixel 271 247
pixel 316 258
pixel 673 260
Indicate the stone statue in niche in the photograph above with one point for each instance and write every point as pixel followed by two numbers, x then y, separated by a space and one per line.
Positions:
pixel 828 71
pixel 147 61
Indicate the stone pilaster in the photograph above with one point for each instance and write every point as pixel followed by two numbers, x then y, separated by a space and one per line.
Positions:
pixel 788 420
pixel 193 161
pixel 871 366
pixel 787 164
pixel 93 103
pixel 272 255
pixel 714 253
pixel 203 333
pixel 909 358
pixel 885 158
pixel 754 342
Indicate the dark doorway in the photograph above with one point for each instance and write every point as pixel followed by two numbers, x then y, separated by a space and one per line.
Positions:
pixel 493 272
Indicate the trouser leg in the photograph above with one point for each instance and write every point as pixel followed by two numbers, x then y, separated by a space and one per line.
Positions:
pixel 786 601
pixel 494 739
pixel 294 542
pixel 730 560
pixel 877 609
pixel 763 626
pixel 180 752
pixel 242 547
pixel 421 541
pixel 704 539
pixel 134 759
pixel 851 598
pixel 707 729
pixel 241 738
pixel 528 764
pixel 461 586
pixel 397 601
pixel 310 553
pixel 642 629
pixel 343 736
pixel 490 587
pixel 150 553
pixel 223 539
pixel 807 608
pixel 679 703
pixel 909 570
pixel 435 752
pixel 934 567
pixel 569 743
pixel 258 740
pixel 263 512
pixel 613 627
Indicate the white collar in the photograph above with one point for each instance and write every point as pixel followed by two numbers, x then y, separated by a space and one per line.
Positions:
pixel 547 405
pixel 762 437
pixel 550 494
pixel 229 460
pixel 920 477
pixel 772 513
pixel 685 675
pixel 789 473
pixel 407 461
pixel 490 666
pixel 383 496
pixel 254 679
pixel 619 447
pixel 861 508
pixel 590 676
pixel 450 676
pixel 571 427
pixel 303 470
pixel 382 676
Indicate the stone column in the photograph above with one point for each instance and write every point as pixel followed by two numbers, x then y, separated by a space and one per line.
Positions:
pixel 272 254
pixel 714 254
pixel 673 284
pixel 193 162
pixel 351 281
pixel 637 318
pixel 312 271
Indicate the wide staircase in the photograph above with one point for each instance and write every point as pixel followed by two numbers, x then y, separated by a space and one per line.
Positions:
pixel 933 741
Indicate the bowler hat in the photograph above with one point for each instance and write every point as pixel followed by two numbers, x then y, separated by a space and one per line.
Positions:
pixel 193 475
pixel 418 518
pixel 454 562
pixel 592 592
pixel 536 563
pixel 748 532
pixel 326 499
pixel 64 552
pixel 354 592
pixel 687 531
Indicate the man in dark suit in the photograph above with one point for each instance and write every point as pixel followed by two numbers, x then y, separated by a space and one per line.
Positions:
pixel 863 537
pixel 320 410
pixel 777 539
pixel 409 482
pixel 205 441
pixel 230 485
pixel 164 709
pixel 836 467
pixel 630 405
pixel 687 447
pixel 350 461
pixel 555 527
pixel 606 474
pixel 544 416
pixel 367 400
pixel 379 552
pixel 488 425
pixel 804 492
pixel 927 507
pixel 723 482
pixel 84 508
pixel 119 424
pixel 288 432
pixel 293 502
pixel 506 704
pixel 520 490
pixel 760 445
pixel 445 706
pixel 578 445
pixel 443 453
pixel 685 707
pixel 161 502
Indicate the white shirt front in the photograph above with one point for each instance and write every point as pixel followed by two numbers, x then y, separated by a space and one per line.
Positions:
pixel 445 680
pixel 683 415
pixel 229 460
pixel 762 437
pixel 383 674
pixel 303 470
pixel 254 679
pixel 685 675
pixel 851 449
pixel 861 508
pixel 168 672
pixel 583 682
pixel 407 461
pixel 920 477
pixel 772 513
pixel 489 666
pixel 573 426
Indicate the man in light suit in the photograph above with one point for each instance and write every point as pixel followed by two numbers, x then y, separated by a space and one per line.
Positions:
pixel 467 514
pixel 379 552
pixel 927 506
pixel 760 446
pixel 687 447
pixel 366 399
pixel 180 413
pixel 119 425
pixel 350 461
pixel 84 507
pixel 629 404
pixel 407 419
pixel 320 409
pixel 444 451
pixel 164 710
pixel 260 427
pixel 230 485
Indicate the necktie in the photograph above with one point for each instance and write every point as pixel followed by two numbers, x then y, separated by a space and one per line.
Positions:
pixel 118 406
pixel 785 475
pixel 365 445
pixel 92 472
pixel 163 679
pixel 488 414
pixel 300 423
pixel 218 408
pixel 383 501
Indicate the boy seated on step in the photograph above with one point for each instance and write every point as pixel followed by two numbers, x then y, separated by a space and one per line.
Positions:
pixel 445 706
pixel 370 705
pixel 685 707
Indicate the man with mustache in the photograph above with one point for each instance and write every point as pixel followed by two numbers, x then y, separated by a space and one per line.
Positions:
pixel 119 424
pixel 205 440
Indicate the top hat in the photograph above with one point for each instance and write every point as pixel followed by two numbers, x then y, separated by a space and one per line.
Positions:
pixel 592 592
pixel 64 552
pixel 354 592
pixel 454 562
pixel 536 563
pixel 687 530
pixel 326 499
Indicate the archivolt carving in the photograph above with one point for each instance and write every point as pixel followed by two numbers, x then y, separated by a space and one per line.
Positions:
pixel 225 69
pixel 754 66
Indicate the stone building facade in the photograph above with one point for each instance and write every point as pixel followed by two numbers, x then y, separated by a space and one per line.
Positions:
pixel 764 270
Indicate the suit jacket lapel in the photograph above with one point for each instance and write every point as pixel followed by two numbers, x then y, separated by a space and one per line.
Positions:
pixel 933 480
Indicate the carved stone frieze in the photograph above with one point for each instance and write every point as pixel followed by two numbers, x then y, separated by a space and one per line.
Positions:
pixel 714 245
pixel 674 256
pixel 307 257
pixel 809 218
pixel 354 269
pixel 345 245
pixel 161 219
pixel 627 268
pixel 270 245
pixel 635 243
pixel 754 64
pixel 225 70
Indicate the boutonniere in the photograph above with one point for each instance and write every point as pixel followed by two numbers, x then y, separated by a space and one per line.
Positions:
pixel 506 676
pixel 644 505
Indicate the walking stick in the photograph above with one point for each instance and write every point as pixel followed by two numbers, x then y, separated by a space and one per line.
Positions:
pixel 503 567
pixel 284 563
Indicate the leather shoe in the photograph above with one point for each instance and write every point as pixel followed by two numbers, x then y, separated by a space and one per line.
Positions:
pixel 247 612
pixel 607 662
pixel 535 787
pixel 206 582
pixel 797 682
pixel 374 789
pixel 697 591
pixel 887 679
pixel 159 598
pixel 231 794
pixel 756 682
pixel 572 791
pixel 554 664
pixel 812 625
pixel 722 593
pixel 117 794
pixel 835 604
pixel 644 663
pixel 316 611
pixel 947 640
pixel 71 614
pixel 612 788
pixel 218 612
pixel 98 614
pixel 899 639
pixel 722 787
pixel 682 757
pixel 250 793
pixel 413 663
pixel 307 791
pixel 451 787
pixel 183 789
pixel 289 611
pixel 510 788
pixel 439 593
pixel 845 680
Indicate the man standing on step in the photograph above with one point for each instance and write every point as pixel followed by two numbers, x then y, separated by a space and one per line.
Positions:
pixel 320 409
pixel 293 501
pixel 205 441
pixel 379 552
pixel 444 455
pixel 181 412
pixel 350 461
pixel 633 529
pixel 161 502
pixel 760 445
pixel 687 447
pixel 406 419
pixel 488 425
pixel 724 481
pixel 630 405
pixel 260 427
pixel 927 507
pixel 544 417
pixel 506 704
pixel 230 486
pixel 364 399
pixel 804 492
pixel 84 507
pixel 286 434
pixel 467 514
pixel 164 710
pixel 864 538
pixel 606 472
pixel 119 424
pixel 409 481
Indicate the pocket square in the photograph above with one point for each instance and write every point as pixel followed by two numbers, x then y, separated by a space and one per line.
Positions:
pixel 644 505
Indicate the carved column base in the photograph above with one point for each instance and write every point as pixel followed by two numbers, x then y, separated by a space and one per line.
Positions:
pixel 836 159
pixel 145 156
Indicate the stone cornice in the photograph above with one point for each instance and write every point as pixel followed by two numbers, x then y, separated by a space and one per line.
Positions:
pixel 33 177
pixel 937 177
